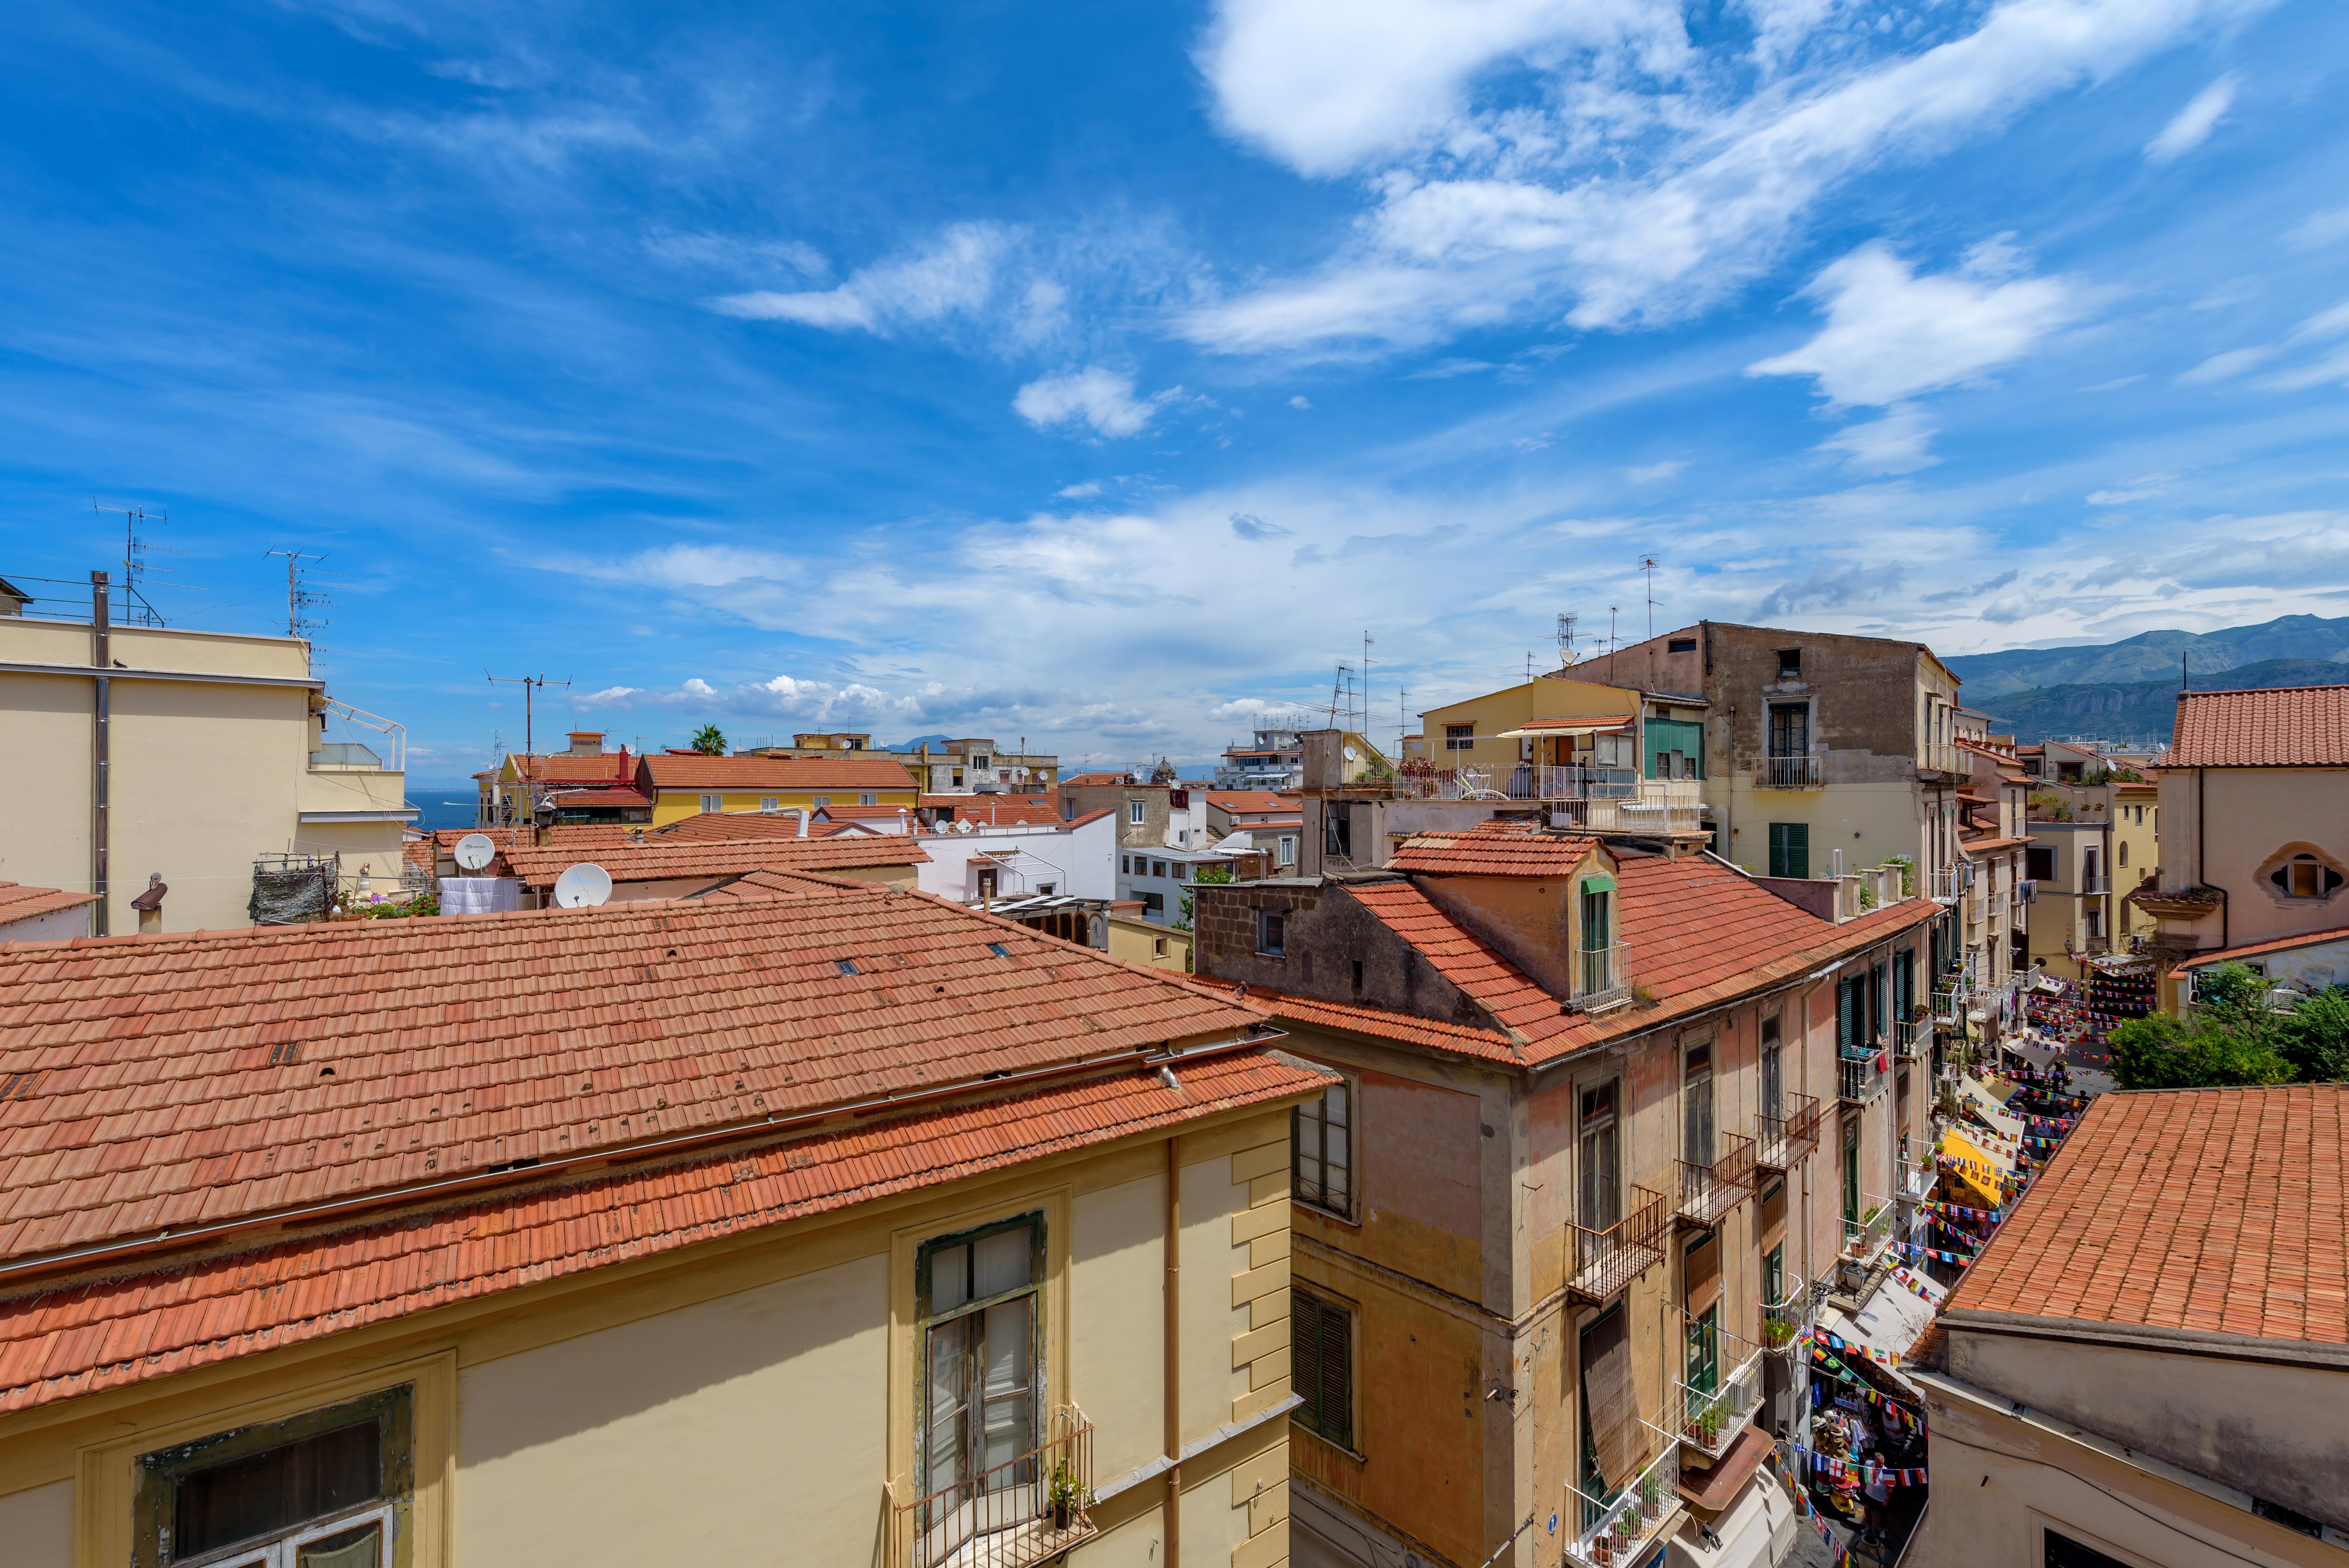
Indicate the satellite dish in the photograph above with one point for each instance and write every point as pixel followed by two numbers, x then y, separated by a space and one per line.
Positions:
pixel 965 826
pixel 1352 755
pixel 475 850
pixel 584 886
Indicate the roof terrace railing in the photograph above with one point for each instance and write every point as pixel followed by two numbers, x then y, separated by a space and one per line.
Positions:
pixel 1709 1191
pixel 1781 1141
pixel 1605 1260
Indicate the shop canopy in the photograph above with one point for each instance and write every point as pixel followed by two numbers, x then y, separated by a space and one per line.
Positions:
pixel 1588 723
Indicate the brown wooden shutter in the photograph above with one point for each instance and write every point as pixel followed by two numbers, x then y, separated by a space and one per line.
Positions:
pixel 1612 1405
pixel 1337 1372
pixel 1305 1355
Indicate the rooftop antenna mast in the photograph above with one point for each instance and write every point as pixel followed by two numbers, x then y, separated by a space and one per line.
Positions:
pixel 1362 727
pixel 1612 641
pixel 531 685
pixel 1648 566
pixel 1565 639
pixel 135 548
pixel 302 594
pixel 1340 692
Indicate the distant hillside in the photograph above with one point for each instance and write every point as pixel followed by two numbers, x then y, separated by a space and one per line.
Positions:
pixel 2152 657
pixel 2132 710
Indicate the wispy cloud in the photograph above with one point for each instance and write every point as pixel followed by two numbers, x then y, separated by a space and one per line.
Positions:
pixel 955 273
pixel 2192 124
pixel 1096 398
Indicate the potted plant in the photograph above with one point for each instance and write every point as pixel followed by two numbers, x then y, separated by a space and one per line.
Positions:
pixel 1068 1498
pixel 1652 1495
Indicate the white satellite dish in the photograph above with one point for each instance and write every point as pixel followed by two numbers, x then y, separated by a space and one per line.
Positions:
pixel 965 826
pixel 584 886
pixel 1352 755
pixel 475 850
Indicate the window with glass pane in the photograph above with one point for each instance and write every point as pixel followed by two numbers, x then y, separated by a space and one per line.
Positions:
pixel 1696 1106
pixel 978 1293
pixel 1599 1196
pixel 1597 941
pixel 1773 1080
pixel 1774 1274
pixel 1322 1134
pixel 325 1489
pixel 1704 1350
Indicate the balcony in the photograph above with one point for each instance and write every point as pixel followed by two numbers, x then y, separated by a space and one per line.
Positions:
pixel 2096 886
pixel 1779 1140
pixel 1709 1191
pixel 1788 772
pixel 1603 986
pixel 1947 884
pixel 1613 1530
pixel 1708 1419
pixel 1598 799
pixel 1023 1511
pixel 1605 1260
pixel 1859 1079
pixel 1942 757
pixel 1784 1320
pixel 1863 1239
pixel 1950 1005
pixel 1910 1040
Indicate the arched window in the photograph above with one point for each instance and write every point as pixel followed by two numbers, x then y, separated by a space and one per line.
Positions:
pixel 2305 876
pixel 2124 851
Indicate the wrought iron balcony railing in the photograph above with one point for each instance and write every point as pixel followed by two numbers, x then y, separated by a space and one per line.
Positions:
pixel 1859 1079
pixel 1783 1138
pixel 1709 1191
pixel 1783 1319
pixel 1021 1511
pixel 1910 1039
pixel 1605 1260
pixel 1788 772
pixel 1602 976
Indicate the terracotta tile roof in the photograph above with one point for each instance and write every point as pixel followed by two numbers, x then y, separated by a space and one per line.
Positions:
pixel 2219 1210
pixel 19 902
pixel 604 768
pixel 197 1079
pixel 610 795
pixel 1380 1022
pixel 1494 848
pixel 658 861
pixel 1481 971
pixel 1095 778
pixel 866 813
pixel 1985 846
pixel 860 770
pixel 1251 800
pixel 999 809
pixel 705 827
pixel 81 1338
pixel 2224 955
pixel 2283 726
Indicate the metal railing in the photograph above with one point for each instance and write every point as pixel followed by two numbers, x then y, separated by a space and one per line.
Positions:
pixel 1602 978
pixel 1950 1004
pixel 1021 1511
pixel 1785 1318
pixel 1599 799
pixel 1782 1139
pixel 1605 1260
pixel 1945 884
pixel 1646 812
pixel 1941 756
pixel 1709 1419
pixel 1611 1531
pixel 1909 1039
pixel 1863 1238
pixel 1788 772
pixel 2096 884
pixel 388 755
pixel 1709 1191
pixel 1859 1078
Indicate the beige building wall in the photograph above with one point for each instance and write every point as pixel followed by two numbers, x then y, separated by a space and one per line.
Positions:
pixel 1868 823
pixel 748 1400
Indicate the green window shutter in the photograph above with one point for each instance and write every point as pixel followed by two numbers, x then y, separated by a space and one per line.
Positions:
pixel 1790 849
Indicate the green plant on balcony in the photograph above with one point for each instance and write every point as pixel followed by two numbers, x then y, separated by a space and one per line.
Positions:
pixel 1777 1328
pixel 1651 1494
pixel 1069 1495
pixel 1703 1422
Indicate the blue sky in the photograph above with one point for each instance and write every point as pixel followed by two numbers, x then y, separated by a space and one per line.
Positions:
pixel 1101 374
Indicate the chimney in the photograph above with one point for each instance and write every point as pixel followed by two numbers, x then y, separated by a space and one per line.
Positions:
pixel 803 817
pixel 149 904
pixel 586 743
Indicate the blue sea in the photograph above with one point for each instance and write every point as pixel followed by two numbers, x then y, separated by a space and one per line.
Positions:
pixel 444 808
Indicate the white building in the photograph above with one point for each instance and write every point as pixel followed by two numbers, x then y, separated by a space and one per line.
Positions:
pixel 1159 879
pixel 971 862
pixel 1273 759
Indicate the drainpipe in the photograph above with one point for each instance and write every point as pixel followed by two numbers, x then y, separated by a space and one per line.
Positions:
pixel 1173 1351
pixel 101 659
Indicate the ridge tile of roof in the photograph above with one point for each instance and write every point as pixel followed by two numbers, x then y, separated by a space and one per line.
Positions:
pixel 2249 949
pixel 83 1337
pixel 199 1079
pixel 1385 1023
pixel 1494 848
pixel 856 771
pixel 655 860
pixel 2216 1210
pixel 2278 727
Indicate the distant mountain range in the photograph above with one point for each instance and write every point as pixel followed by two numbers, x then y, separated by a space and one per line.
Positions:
pixel 2129 690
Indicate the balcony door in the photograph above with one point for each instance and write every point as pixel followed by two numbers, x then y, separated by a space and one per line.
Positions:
pixel 1704 1350
pixel 1790 729
pixel 1774 1071
pixel 1696 1106
pixel 1599 1201
pixel 978 1295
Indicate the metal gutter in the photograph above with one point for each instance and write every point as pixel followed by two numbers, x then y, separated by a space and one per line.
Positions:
pixel 85 671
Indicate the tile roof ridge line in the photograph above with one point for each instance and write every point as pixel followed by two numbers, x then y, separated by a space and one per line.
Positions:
pixel 510 1176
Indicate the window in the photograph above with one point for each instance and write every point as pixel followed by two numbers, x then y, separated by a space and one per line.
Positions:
pixel 1358 975
pixel 1153 901
pixel 1321 1367
pixel 1182 870
pixel 989 878
pixel 1790 849
pixel 978 1299
pixel 1288 850
pixel 1272 933
pixel 1851 1012
pixel 1321 1151
pixel 326 1489
pixel 1696 1105
pixel 1067 810
pixel 1880 997
pixel 1459 738
pixel 1158 868
pixel 1045 890
pixel 1790 729
pixel 1773 1273
pixel 1704 1343
pixel 868 799
pixel 1597 935
pixel 1125 864
pixel 2305 876
pixel 957 778
pixel 1132 811
pixel 2124 858
pixel 713 802
pixel 980 760
pixel 1790 664
pixel 824 800
pixel 1337 833
pixel 1680 646
pixel 1904 985
pixel 1773 1080
pixel 1598 1194
pixel 1158 947
pixel 2039 864
pixel 768 802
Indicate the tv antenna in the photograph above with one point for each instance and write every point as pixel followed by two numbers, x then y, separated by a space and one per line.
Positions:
pixel 1613 641
pixel 1565 639
pixel 1648 566
pixel 302 594
pixel 531 685
pixel 135 548
pixel 1341 691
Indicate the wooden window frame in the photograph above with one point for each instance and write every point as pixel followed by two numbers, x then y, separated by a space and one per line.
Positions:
pixel 1311 1312
pixel 1317 1131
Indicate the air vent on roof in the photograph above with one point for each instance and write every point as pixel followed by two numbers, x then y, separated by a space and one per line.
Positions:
pixel 998 950
pixel 848 967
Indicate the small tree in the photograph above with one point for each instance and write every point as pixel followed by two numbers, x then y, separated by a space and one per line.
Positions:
pixel 1210 874
pixel 710 740
pixel 2314 1037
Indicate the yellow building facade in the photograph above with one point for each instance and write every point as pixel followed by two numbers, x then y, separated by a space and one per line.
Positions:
pixel 682 786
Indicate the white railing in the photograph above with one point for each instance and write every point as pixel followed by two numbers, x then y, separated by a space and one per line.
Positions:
pixel 1785 1318
pixel 1788 772
pixel 1610 1532
pixel 1601 978
pixel 2096 884
pixel 1941 756
pixel 389 754
pixel 1710 1419
pixel 1864 1238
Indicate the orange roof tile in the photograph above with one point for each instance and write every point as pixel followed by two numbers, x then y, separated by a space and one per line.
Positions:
pixel 2283 726
pixel 192 1079
pixel 658 861
pixel 1000 810
pixel 2255 949
pixel 1380 1022
pixel 82 1337
pixel 1480 971
pixel 19 902
pixel 705 827
pixel 1496 849
pixel 1097 779
pixel 605 766
pixel 851 771
pixel 1251 800
pixel 2218 1209
pixel 577 799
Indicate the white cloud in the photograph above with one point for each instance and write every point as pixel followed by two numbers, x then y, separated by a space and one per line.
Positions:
pixel 1619 207
pixel 1898 443
pixel 2193 124
pixel 1300 402
pixel 954 274
pixel 2220 366
pixel 1892 335
pixel 2323 324
pixel 2320 229
pixel 1095 395
pixel 1084 491
pixel 2144 488
pixel 1652 472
